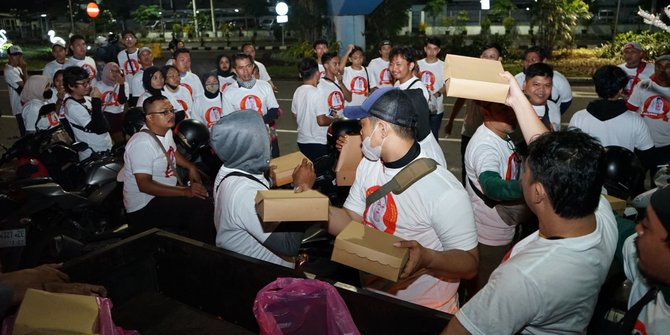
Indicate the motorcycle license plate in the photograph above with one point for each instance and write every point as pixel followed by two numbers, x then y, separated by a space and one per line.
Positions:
pixel 13 238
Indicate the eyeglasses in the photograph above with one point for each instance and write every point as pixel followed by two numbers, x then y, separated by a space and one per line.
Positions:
pixel 173 76
pixel 164 113
pixel 84 83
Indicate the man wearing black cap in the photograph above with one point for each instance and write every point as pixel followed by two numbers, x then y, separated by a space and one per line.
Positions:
pixel 59 53
pixel 433 215
pixel 647 265
pixel 379 67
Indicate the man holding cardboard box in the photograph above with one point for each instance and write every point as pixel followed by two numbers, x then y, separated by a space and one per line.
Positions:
pixel 549 282
pixel 433 214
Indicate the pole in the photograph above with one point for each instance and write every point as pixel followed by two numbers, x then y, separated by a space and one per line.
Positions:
pixel 282 34
pixel 211 6
pixel 616 18
pixel 160 12
pixel 195 19
pixel 71 20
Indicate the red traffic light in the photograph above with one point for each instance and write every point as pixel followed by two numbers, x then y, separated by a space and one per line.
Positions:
pixel 92 9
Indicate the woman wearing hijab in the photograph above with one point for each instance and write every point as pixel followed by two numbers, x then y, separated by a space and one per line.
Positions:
pixel 208 108
pixel 37 115
pixel 153 82
pixel 241 141
pixel 224 71
pixel 114 95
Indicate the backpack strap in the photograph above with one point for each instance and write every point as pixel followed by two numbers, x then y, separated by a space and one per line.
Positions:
pixel 490 203
pixel 367 76
pixel 74 125
pixel 239 174
pixel 169 161
pixel 412 84
pixel 409 175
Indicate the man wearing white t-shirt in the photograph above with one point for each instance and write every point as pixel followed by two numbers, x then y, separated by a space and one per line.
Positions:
pixel 15 77
pixel 78 58
pixel 333 94
pixel 549 282
pixel 59 53
pixel 179 95
pixel 561 92
pixel 262 74
pixel 152 192
pixel 609 120
pixel 146 60
pixel 128 60
pixel 312 117
pixel 320 48
pixel 636 69
pixel 646 258
pixel 379 67
pixel 189 80
pixel 84 113
pixel 651 100
pixel 431 73
pixel 356 77
pixel 241 142
pixel 250 93
pixel 538 86
pixel 433 215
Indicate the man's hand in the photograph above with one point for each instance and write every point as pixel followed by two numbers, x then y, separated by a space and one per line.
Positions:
pixel 119 78
pixel 33 278
pixel 76 288
pixel 303 176
pixel 341 141
pixel 515 94
pixel 196 190
pixel 419 257
pixel 194 175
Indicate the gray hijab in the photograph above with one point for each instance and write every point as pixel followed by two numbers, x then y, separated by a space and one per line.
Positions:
pixel 241 141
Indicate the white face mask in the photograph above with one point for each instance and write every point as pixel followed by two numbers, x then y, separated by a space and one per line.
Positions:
pixel 370 153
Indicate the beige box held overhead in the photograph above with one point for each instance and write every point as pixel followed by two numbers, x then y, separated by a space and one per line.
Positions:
pixel 283 173
pixel 285 205
pixel 370 250
pixel 350 157
pixel 475 78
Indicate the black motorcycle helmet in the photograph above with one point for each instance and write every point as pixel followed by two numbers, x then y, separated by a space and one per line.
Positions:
pixel 342 127
pixel 624 174
pixel 190 136
pixel 133 120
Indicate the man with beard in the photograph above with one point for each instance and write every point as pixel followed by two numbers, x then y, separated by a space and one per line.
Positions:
pixel 250 93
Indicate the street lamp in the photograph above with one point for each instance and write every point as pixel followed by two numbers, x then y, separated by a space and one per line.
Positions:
pixel 282 9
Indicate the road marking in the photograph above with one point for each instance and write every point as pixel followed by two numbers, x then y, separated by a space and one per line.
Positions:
pixel 584 95
pixel 7 116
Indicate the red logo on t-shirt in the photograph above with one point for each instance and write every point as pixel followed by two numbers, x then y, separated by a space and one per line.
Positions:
pixel 359 85
pixel 428 79
pixel 252 102
pixel 382 214
pixel 212 115
pixel 336 100
pixel 188 87
pixel 513 163
pixel 224 86
pixel 173 161
pixel 53 119
pixel 183 105
pixel 385 76
pixel 639 328
pixel 90 69
pixel 656 107
pixel 131 69
pixel 110 98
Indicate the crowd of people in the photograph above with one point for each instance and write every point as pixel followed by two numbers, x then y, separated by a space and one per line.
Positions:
pixel 520 169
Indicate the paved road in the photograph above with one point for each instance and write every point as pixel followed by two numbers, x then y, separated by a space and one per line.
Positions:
pixel 287 125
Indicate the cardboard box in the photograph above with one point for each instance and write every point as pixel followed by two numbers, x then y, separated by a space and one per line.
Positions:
pixel 618 205
pixel 283 174
pixel 285 205
pixel 43 312
pixel 370 250
pixel 350 157
pixel 475 78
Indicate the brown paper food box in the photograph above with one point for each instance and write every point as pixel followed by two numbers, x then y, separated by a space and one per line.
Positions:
pixel 285 166
pixel 618 205
pixel 370 250
pixel 475 78
pixel 351 155
pixel 285 205
pixel 56 313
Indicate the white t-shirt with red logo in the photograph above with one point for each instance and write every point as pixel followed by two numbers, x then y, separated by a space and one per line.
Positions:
pixel 208 111
pixel 143 155
pixel 379 69
pixel 432 76
pixel 77 113
pixel 110 97
pixel 30 114
pixel 652 102
pixel 180 99
pixel 225 82
pixel 359 82
pixel 87 64
pixel 260 98
pixel 435 211
pixel 554 114
pixel 322 71
pixel 331 95
pixel 627 130
pixel 488 152
pixel 130 65
pixel 306 108
pixel 646 70
pixel 193 84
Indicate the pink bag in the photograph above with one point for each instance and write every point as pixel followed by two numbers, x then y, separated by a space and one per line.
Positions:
pixel 293 306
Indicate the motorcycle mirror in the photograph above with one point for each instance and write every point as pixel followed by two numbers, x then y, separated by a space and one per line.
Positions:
pixel 79 146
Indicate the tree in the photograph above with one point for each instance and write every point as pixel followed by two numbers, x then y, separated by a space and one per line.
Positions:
pixel 256 9
pixel 306 19
pixel 434 9
pixel 557 20
pixel 145 16
pixel 387 20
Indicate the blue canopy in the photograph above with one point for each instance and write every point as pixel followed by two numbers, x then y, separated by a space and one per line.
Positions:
pixel 352 7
